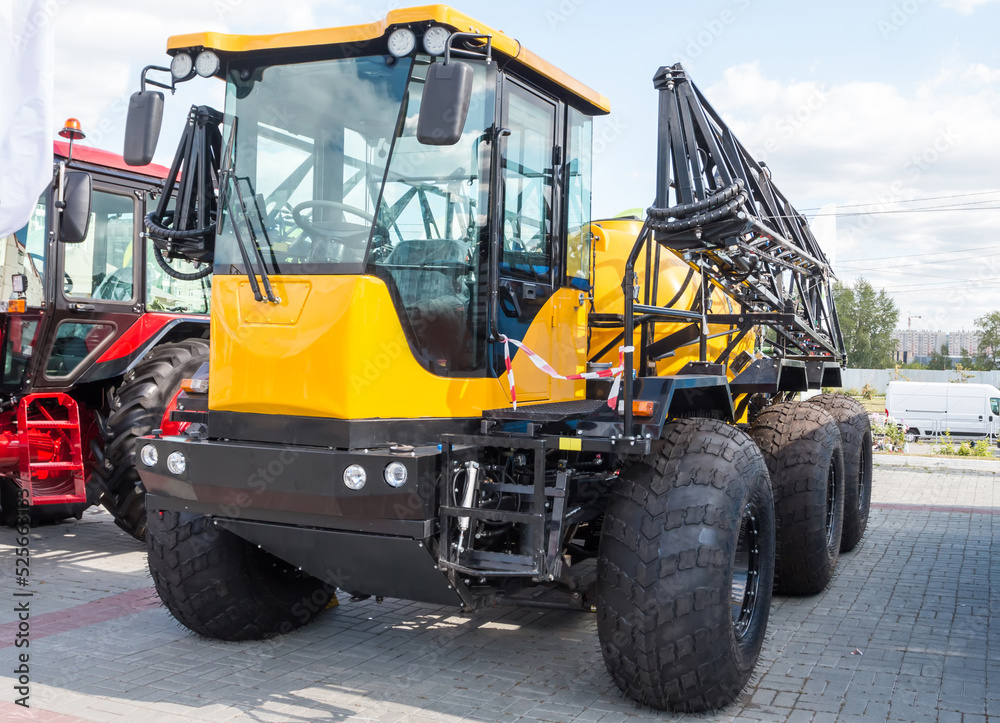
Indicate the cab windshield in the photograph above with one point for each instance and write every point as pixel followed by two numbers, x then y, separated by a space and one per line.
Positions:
pixel 23 252
pixel 329 178
pixel 310 143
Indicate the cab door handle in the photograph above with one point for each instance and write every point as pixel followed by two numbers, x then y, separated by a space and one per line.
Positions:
pixel 91 307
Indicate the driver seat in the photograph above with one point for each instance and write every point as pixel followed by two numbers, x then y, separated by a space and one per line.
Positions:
pixel 435 300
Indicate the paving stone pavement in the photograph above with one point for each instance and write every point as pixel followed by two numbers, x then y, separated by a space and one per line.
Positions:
pixel 909 630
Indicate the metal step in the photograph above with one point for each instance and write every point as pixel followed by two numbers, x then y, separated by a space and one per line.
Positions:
pixel 548 412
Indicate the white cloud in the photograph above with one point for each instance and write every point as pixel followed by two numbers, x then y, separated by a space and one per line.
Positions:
pixel 869 142
pixel 963 7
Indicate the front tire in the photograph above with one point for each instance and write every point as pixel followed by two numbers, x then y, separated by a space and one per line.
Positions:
pixel 685 569
pixel 138 406
pixel 218 585
pixel 805 457
pixel 856 433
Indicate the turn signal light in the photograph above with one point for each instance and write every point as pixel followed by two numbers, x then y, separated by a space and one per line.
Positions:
pixel 17 306
pixel 642 408
pixel 195 386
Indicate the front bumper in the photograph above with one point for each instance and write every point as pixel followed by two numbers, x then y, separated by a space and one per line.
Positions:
pixel 296 485
pixel 292 502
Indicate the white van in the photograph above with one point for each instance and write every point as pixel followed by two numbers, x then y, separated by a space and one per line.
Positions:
pixel 926 408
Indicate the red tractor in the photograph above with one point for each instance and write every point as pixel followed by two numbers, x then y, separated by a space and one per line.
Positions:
pixel 97 332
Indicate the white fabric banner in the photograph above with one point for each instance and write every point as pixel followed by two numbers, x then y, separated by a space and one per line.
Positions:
pixel 27 52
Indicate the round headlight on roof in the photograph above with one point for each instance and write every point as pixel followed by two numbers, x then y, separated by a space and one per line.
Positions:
pixel 207 63
pixel 181 66
pixel 402 42
pixel 435 40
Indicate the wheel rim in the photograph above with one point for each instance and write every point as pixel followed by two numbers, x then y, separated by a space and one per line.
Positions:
pixel 861 483
pixel 831 504
pixel 746 573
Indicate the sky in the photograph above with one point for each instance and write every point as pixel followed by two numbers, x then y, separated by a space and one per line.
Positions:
pixel 878 117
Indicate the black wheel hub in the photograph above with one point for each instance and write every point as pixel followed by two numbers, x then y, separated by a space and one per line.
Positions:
pixel 746 573
pixel 831 504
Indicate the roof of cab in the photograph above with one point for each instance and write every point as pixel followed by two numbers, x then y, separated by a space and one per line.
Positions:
pixel 441 14
pixel 87 154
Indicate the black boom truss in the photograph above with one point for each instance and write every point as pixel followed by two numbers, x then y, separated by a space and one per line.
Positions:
pixel 717 209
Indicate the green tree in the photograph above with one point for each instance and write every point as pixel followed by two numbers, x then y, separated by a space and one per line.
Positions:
pixel 940 359
pixel 867 320
pixel 988 326
pixel 966 360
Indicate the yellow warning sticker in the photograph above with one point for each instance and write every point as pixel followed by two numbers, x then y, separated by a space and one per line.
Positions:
pixel 574 443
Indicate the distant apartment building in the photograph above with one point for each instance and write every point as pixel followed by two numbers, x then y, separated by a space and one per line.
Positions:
pixel 913 344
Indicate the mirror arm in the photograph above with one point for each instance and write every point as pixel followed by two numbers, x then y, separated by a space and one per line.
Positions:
pixel 144 81
pixel 448 50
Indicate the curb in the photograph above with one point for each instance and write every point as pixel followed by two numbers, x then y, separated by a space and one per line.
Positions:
pixel 960 465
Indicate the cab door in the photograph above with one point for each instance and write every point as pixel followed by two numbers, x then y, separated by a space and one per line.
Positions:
pixel 96 288
pixel 528 212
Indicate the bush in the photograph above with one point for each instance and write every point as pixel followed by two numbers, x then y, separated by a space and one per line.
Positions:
pixel 983 448
pixel 947 446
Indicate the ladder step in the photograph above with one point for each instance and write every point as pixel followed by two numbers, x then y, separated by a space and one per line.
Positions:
pixel 46 424
pixel 55 465
pixel 58 499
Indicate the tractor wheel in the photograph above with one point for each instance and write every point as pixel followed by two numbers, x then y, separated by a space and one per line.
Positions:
pixel 805 457
pixel 219 585
pixel 138 406
pixel 856 433
pixel 685 568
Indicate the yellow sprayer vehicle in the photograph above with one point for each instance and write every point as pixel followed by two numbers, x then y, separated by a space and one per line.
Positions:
pixel 434 377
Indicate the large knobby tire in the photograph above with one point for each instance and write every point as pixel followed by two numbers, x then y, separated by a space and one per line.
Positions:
pixel 138 406
pixel 685 568
pixel 856 434
pixel 805 457
pixel 219 585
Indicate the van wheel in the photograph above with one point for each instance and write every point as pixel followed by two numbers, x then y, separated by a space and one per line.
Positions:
pixel 805 457
pixel 685 569
pixel 856 434
pixel 218 585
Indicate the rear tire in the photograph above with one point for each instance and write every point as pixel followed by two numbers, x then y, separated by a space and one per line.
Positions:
pixel 805 457
pixel 685 569
pixel 856 433
pixel 219 585
pixel 138 406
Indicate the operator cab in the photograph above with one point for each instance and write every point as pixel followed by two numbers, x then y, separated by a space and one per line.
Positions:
pixel 85 274
pixel 443 159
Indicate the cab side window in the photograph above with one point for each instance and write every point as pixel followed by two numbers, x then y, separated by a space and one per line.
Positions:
pixel 528 176
pixel 101 267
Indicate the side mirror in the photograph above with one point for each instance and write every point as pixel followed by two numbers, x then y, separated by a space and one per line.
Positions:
pixel 74 219
pixel 142 128
pixel 445 103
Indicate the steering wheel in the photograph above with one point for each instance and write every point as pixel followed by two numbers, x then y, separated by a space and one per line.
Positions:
pixel 67 283
pixel 334 230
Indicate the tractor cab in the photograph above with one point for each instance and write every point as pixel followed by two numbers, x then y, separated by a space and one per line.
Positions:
pixel 390 208
pixel 76 279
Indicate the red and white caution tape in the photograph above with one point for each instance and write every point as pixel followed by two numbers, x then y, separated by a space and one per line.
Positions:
pixel 539 362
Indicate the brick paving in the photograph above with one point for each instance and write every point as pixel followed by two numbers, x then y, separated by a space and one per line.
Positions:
pixel 909 630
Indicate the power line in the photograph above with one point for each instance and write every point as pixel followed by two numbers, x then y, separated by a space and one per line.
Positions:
pixel 929 253
pixel 933 209
pixel 850 268
pixel 907 200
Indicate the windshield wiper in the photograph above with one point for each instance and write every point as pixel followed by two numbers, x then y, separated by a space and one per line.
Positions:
pixel 225 201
